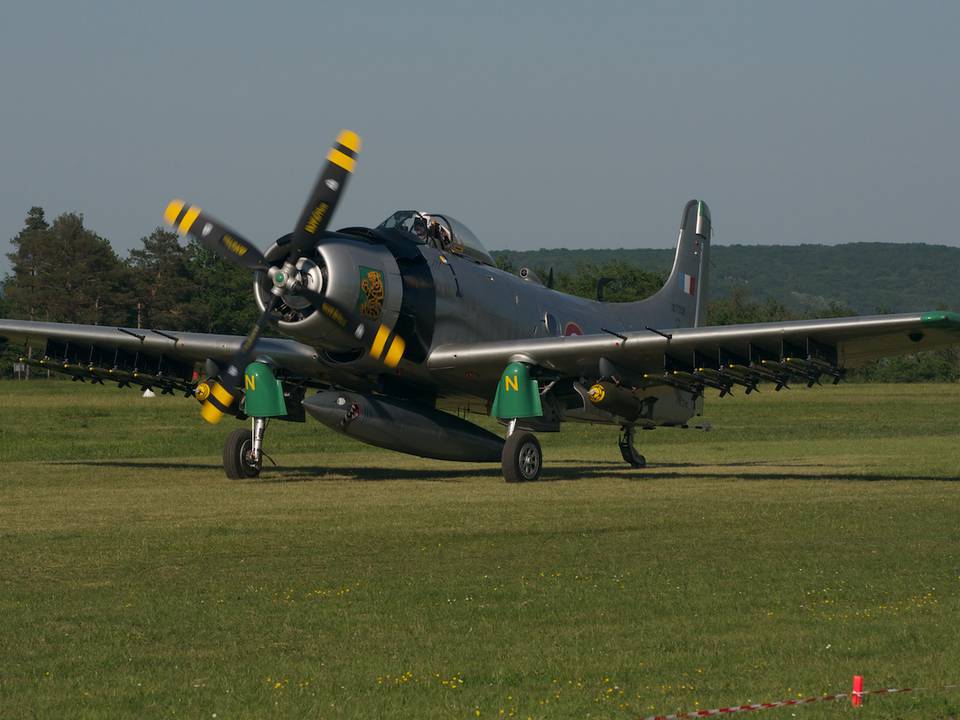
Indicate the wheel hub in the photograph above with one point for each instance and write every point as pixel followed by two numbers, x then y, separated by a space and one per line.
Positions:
pixel 529 460
pixel 246 455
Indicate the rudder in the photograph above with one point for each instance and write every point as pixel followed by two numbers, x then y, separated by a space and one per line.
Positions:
pixel 682 301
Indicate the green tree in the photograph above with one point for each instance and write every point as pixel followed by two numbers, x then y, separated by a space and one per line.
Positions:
pixel 833 309
pixel 32 261
pixel 65 273
pixel 933 366
pixel 222 300
pixel 504 261
pixel 8 355
pixel 626 283
pixel 87 282
pixel 738 308
pixel 163 287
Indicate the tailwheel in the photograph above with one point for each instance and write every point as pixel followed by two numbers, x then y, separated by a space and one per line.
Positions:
pixel 627 449
pixel 522 458
pixel 238 461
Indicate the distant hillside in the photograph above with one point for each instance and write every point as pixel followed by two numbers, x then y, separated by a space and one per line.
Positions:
pixel 868 277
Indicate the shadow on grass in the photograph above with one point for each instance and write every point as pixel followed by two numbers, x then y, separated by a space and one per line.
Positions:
pixel 565 471
pixel 572 471
pixel 651 474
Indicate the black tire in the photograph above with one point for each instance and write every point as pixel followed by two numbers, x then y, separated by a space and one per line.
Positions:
pixel 522 458
pixel 236 450
pixel 627 450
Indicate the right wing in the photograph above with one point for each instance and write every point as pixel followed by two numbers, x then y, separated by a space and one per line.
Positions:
pixel 713 356
pixel 148 358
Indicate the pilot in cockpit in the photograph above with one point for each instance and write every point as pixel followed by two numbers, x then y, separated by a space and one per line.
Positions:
pixel 438 234
pixel 420 226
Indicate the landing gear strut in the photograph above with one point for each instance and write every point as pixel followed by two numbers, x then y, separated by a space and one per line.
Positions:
pixel 627 449
pixel 522 458
pixel 243 451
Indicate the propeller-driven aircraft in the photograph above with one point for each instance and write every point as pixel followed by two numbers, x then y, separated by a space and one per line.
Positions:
pixel 396 333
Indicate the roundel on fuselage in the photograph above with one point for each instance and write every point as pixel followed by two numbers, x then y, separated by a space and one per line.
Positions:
pixel 571 328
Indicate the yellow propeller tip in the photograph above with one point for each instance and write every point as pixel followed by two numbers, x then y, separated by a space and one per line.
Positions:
pixel 211 414
pixel 349 139
pixel 173 209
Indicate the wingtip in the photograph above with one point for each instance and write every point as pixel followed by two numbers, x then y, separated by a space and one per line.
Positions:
pixel 941 319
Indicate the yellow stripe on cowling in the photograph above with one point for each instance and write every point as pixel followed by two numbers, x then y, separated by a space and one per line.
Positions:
pixel 379 341
pixel 189 219
pixel 395 353
pixel 350 140
pixel 344 161
pixel 211 413
pixel 173 209
pixel 221 394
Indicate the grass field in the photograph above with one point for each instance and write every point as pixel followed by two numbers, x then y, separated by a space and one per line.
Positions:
pixel 811 535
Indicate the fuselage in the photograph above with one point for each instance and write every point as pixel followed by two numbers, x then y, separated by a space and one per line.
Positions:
pixel 433 297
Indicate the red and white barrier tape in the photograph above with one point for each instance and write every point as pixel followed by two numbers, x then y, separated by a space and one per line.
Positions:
pixel 788 703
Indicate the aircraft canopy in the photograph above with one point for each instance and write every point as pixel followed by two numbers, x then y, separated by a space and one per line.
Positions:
pixel 441 231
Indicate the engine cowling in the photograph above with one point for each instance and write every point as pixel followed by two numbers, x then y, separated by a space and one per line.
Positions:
pixel 348 273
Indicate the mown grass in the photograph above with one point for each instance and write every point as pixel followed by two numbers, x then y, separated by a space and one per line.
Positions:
pixel 810 536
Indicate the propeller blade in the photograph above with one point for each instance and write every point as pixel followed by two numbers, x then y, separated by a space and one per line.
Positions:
pixel 339 314
pixel 384 344
pixel 190 220
pixel 387 346
pixel 326 192
pixel 218 396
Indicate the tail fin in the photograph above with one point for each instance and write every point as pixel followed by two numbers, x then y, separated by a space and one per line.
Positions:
pixel 682 301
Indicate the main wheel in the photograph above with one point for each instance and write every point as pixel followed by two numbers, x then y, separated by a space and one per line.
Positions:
pixel 522 458
pixel 627 450
pixel 237 463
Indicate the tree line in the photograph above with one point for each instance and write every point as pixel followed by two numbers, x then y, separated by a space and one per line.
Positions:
pixel 867 277
pixel 63 271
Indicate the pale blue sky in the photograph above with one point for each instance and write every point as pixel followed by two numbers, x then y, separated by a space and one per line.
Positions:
pixel 551 124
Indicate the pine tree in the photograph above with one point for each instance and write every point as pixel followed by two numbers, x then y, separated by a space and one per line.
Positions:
pixel 163 287
pixel 31 261
pixel 65 273
pixel 89 284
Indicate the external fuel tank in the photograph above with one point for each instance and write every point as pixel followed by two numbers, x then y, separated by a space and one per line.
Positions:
pixel 404 427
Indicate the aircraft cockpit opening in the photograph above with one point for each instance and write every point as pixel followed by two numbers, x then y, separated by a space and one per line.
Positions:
pixel 439 231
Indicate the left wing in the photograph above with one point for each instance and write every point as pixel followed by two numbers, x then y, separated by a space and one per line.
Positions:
pixel 152 358
pixel 718 356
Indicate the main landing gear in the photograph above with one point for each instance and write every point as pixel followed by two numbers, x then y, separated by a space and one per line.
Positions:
pixel 627 449
pixel 522 458
pixel 243 451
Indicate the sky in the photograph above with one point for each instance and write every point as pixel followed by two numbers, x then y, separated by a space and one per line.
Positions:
pixel 537 124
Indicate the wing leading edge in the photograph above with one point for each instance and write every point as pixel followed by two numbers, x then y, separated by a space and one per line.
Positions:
pixel 807 347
